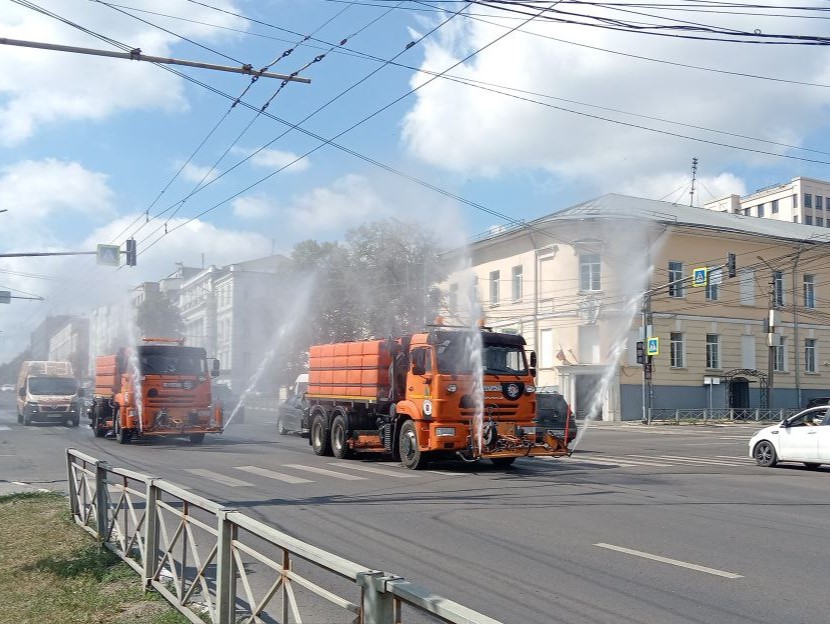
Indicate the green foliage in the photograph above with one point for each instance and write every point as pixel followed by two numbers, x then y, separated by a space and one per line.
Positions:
pixel 158 317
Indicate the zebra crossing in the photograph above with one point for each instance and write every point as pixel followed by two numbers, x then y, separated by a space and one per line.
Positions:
pixel 303 474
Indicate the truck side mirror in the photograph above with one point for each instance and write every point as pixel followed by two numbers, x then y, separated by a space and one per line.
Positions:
pixel 22 393
pixel 533 361
pixel 533 372
pixel 214 371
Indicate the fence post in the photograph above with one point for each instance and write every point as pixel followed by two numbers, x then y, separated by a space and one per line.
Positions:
pixel 102 500
pixel 225 590
pixel 757 414
pixel 677 415
pixel 705 415
pixel 731 413
pixel 151 533
pixel 378 604
pixel 73 489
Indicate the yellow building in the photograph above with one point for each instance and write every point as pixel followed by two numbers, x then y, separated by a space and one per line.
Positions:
pixel 574 284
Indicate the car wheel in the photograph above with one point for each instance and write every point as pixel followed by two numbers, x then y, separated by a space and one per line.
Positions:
pixel 339 437
pixel 411 455
pixel 281 426
pixel 812 465
pixel 764 454
pixel 320 442
pixel 503 462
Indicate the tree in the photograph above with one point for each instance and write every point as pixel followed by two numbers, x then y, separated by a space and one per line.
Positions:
pixel 158 317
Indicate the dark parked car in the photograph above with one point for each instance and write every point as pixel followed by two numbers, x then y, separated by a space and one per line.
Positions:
pixel 229 400
pixel 290 415
pixel 553 412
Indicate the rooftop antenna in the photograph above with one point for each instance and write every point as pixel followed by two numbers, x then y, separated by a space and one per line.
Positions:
pixel 694 177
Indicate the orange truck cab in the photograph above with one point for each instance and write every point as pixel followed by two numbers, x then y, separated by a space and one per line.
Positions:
pixel 159 388
pixel 421 397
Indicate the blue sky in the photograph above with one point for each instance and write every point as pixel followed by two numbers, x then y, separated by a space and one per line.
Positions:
pixel 87 144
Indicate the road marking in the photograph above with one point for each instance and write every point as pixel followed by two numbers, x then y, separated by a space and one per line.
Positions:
pixel 674 562
pixel 380 471
pixel 4 428
pixel 219 478
pixel 328 473
pixel 698 460
pixel 741 459
pixel 279 476
pixel 710 443
pixel 619 461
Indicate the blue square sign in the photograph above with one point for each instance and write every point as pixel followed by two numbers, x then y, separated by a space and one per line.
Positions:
pixel 653 346
pixel 700 277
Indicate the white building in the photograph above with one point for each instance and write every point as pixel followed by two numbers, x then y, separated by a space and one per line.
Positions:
pixel 801 200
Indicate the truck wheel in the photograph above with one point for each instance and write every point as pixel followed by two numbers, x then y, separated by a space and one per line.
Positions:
pixel 320 442
pixel 122 435
pixel 339 437
pixel 197 438
pixel 27 419
pixel 411 455
pixel 98 425
pixel 281 426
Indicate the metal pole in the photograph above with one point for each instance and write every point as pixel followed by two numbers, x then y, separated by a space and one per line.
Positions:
pixel 136 55
pixel 225 593
pixel 151 533
pixel 771 352
pixel 795 333
pixel 101 500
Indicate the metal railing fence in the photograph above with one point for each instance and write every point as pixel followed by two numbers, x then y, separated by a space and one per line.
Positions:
pixel 720 415
pixel 220 566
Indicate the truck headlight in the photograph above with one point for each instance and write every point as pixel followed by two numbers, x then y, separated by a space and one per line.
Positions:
pixel 445 432
pixel 452 388
pixel 530 389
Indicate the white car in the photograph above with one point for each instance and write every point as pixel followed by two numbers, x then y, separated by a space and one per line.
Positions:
pixel 803 438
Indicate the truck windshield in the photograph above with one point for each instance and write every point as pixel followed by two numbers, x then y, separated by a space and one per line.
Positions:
pixel 52 385
pixel 172 361
pixel 455 357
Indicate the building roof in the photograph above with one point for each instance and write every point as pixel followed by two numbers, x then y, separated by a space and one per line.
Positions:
pixel 614 206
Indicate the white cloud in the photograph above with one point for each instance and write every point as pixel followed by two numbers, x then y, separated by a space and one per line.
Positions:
pixel 675 187
pixel 195 173
pixel 39 87
pixel 479 133
pixel 349 201
pixel 253 207
pixel 274 159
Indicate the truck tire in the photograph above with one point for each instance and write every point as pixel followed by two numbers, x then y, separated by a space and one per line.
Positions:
pixel 411 455
pixel 339 437
pixel 320 441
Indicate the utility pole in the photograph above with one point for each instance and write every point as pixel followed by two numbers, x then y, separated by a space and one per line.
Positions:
pixel 796 362
pixel 647 359
pixel 770 325
pixel 694 177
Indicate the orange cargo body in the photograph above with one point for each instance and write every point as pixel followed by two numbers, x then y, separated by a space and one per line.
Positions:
pixel 350 369
pixel 106 372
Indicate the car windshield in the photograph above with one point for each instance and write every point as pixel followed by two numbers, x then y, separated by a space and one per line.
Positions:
pixel 52 385
pixel 811 417
pixel 172 361
pixel 455 356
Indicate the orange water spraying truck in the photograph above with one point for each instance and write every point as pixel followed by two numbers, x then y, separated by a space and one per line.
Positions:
pixel 158 388
pixel 418 399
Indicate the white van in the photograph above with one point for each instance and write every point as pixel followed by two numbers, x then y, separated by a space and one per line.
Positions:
pixel 47 391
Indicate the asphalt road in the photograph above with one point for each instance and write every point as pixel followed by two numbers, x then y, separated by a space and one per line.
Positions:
pixel 659 525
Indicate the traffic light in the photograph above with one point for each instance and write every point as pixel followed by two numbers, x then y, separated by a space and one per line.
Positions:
pixel 641 359
pixel 731 268
pixel 131 249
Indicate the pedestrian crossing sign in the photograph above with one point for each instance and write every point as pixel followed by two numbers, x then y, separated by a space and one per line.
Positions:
pixel 109 255
pixel 653 346
pixel 700 277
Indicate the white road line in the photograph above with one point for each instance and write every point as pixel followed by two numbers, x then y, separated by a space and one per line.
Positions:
pixel 4 428
pixel 380 471
pixel 710 443
pixel 619 461
pixel 743 459
pixel 674 562
pixel 698 460
pixel 219 478
pixel 279 476
pixel 328 473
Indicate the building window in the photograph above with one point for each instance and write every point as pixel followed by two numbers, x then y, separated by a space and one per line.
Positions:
pixel 780 355
pixel 713 284
pixel 589 272
pixel 760 210
pixel 808 200
pixel 820 221
pixel 676 349
pixel 747 287
pixel 494 287
pixel 809 291
pixel 517 282
pixel 795 201
pixel 774 207
pixel 810 355
pixel 748 211
pixel 808 220
pixel 778 288
pixel 675 277
pixel 819 202
pixel 712 351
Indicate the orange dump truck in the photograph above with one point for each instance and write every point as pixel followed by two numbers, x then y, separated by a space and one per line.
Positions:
pixel 416 398
pixel 159 388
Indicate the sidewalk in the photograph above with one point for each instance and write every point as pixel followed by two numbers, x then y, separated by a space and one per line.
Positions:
pixel 16 487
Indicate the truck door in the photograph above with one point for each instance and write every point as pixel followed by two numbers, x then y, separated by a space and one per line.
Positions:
pixel 419 378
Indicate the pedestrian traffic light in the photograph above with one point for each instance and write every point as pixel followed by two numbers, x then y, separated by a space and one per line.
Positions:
pixel 641 358
pixel 131 252
pixel 731 268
